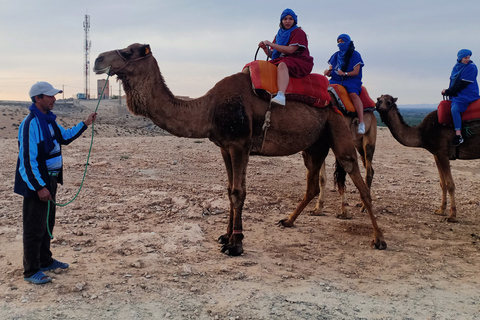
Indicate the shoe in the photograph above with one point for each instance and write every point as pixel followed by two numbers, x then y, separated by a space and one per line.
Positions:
pixel 279 98
pixel 55 265
pixel 361 128
pixel 38 278
pixel 457 141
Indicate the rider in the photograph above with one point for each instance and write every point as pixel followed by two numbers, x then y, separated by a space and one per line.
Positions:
pixel 346 69
pixel 463 90
pixel 290 53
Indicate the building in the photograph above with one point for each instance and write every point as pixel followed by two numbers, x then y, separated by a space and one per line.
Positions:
pixel 101 84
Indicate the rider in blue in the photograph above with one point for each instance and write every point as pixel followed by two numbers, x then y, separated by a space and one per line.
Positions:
pixel 463 90
pixel 346 69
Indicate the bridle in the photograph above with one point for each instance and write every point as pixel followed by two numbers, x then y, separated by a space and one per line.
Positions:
pixel 128 61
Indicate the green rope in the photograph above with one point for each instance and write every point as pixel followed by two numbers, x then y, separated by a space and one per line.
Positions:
pixel 84 172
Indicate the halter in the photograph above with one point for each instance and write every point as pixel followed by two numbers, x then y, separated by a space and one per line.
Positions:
pixel 128 61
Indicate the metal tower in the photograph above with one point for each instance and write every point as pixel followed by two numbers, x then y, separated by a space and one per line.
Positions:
pixel 87 46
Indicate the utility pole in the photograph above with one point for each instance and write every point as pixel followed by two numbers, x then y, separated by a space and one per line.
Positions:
pixel 87 46
pixel 63 94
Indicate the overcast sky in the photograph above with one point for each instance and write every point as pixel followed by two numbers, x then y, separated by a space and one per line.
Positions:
pixel 409 47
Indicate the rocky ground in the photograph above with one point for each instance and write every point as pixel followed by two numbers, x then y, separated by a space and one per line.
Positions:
pixel 141 235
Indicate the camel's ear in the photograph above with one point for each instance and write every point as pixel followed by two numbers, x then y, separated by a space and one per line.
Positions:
pixel 146 49
pixel 395 99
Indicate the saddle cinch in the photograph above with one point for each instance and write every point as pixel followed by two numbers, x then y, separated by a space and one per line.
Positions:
pixel 311 90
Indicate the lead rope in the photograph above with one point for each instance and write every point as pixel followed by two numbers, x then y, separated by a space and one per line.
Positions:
pixel 84 172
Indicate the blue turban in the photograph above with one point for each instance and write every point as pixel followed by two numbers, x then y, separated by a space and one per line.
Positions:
pixel 283 35
pixel 288 12
pixel 463 53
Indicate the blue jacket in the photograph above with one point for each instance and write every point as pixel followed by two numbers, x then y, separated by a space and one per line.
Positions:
pixel 33 161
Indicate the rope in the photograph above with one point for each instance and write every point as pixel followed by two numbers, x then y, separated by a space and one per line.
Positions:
pixel 84 172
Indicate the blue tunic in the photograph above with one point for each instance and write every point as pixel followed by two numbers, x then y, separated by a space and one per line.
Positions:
pixel 470 93
pixel 351 83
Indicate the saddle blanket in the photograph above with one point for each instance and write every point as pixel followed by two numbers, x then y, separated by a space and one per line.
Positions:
pixel 445 114
pixel 345 104
pixel 311 90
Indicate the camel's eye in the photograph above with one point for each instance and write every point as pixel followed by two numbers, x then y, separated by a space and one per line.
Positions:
pixel 126 55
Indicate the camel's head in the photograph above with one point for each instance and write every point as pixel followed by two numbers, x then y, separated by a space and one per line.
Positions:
pixel 116 61
pixel 385 102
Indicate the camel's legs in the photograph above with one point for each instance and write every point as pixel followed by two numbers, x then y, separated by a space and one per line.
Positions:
pixel 236 160
pixel 313 162
pixel 345 209
pixel 318 211
pixel 447 184
pixel 346 156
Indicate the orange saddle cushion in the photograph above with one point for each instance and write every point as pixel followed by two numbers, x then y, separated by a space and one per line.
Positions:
pixel 445 114
pixel 311 90
pixel 345 104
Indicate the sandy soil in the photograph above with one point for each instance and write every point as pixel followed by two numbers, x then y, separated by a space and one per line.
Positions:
pixel 141 236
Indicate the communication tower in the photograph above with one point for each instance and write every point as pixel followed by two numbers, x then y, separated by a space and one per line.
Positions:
pixel 87 46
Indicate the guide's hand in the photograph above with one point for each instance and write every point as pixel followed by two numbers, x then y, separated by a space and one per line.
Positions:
pixel 44 194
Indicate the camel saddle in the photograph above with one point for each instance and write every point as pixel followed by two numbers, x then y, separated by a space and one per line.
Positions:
pixel 345 104
pixel 311 90
pixel 445 114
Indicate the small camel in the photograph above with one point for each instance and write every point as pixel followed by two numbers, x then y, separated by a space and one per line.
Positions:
pixel 365 145
pixel 232 117
pixel 434 137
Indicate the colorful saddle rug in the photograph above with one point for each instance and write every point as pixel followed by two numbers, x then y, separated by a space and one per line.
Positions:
pixel 445 114
pixel 311 90
pixel 345 104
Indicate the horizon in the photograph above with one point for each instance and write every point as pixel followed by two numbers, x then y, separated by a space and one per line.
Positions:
pixel 409 47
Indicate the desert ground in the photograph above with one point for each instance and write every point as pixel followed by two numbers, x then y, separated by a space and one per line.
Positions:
pixel 141 237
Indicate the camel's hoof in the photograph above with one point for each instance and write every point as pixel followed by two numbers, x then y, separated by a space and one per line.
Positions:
pixel 232 250
pixel 344 216
pixel 223 239
pixel 379 245
pixel 440 212
pixel 452 219
pixel 284 223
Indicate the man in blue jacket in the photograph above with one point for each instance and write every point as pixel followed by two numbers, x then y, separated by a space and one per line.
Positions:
pixel 39 169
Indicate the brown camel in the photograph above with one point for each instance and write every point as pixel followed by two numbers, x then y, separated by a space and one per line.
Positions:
pixel 437 139
pixel 232 116
pixel 365 145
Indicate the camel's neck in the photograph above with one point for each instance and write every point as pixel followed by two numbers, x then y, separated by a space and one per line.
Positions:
pixel 401 131
pixel 148 96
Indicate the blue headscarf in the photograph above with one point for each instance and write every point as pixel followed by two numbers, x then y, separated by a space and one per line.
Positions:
pixel 345 51
pixel 459 66
pixel 283 35
pixel 44 120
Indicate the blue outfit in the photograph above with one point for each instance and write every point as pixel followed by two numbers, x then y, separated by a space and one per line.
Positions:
pixel 283 35
pixel 34 162
pixel 39 165
pixel 463 88
pixel 345 59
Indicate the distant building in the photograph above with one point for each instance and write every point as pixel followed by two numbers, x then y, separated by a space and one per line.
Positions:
pixel 81 96
pixel 100 85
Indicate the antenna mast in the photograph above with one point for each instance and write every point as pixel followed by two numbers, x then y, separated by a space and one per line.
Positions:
pixel 87 46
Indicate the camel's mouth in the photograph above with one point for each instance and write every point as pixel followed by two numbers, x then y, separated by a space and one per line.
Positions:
pixel 103 70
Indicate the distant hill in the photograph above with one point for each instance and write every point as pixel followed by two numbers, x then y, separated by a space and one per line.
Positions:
pixel 413 114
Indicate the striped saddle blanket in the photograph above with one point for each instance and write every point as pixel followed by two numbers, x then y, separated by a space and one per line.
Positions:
pixel 311 90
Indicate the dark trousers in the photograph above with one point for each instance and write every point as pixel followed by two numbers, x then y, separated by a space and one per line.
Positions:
pixel 36 240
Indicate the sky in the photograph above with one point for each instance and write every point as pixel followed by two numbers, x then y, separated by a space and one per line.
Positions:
pixel 409 47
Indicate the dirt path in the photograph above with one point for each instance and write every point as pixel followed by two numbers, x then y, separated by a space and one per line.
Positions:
pixel 141 237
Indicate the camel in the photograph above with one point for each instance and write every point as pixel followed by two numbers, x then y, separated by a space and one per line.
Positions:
pixel 434 137
pixel 232 117
pixel 365 145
